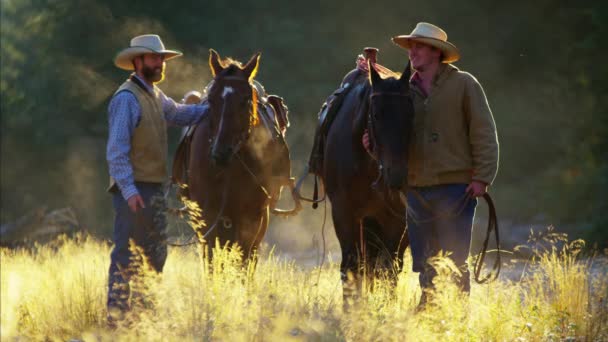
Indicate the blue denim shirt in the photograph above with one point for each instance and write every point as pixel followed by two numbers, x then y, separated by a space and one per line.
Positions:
pixel 124 115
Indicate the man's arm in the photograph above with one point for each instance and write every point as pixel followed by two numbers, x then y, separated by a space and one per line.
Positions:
pixel 124 114
pixel 365 140
pixel 178 114
pixel 482 133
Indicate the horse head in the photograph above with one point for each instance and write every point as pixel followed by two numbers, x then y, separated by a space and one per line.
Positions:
pixel 390 123
pixel 233 107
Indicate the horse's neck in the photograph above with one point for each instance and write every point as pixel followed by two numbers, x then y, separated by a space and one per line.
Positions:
pixel 254 145
pixel 361 111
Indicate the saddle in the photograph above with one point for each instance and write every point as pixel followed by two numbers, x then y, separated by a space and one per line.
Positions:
pixel 326 116
pixel 333 103
pixel 273 114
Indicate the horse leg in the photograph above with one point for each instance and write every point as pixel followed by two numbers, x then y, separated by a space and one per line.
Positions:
pixel 392 233
pixel 347 230
pixel 206 213
pixel 250 233
pixel 375 249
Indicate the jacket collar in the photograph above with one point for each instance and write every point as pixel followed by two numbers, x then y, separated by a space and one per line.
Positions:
pixel 443 72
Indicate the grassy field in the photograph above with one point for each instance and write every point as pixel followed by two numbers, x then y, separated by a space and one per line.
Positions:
pixel 58 292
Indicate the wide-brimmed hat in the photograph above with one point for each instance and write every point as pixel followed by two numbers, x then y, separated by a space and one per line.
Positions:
pixel 147 43
pixel 432 35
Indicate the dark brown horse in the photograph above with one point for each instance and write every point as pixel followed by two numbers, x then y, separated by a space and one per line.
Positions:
pixel 368 216
pixel 234 159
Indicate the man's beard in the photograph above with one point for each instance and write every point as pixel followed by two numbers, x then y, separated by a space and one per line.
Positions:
pixel 153 75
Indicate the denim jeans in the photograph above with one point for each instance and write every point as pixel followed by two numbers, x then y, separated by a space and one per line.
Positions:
pixel 147 229
pixel 440 218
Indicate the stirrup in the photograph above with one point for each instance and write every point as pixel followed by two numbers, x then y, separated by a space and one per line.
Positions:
pixel 315 201
pixel 297 205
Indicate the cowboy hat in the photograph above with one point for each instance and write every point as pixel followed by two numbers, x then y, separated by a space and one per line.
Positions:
pixel 431 35
pixel 147 43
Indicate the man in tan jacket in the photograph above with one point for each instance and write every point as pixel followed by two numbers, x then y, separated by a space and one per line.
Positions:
pixel 453 153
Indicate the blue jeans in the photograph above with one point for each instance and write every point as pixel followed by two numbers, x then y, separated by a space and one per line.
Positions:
pixel 147 229
pixel 440 218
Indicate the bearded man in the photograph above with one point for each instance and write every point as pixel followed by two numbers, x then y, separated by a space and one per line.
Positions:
pixel 137 159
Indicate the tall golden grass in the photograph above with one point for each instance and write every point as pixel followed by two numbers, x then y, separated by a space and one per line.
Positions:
pixel 57 292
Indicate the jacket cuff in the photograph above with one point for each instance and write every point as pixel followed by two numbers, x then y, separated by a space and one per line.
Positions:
pixel 488 181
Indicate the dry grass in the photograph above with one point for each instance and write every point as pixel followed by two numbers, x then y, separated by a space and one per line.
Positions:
pixel 58 292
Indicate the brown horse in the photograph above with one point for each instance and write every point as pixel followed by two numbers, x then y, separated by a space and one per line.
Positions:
pixel 234 159
pixel 368 216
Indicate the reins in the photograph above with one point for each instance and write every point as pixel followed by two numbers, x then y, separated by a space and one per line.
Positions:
pixel 279 212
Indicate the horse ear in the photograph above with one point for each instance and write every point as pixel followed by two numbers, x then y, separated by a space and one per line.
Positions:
pixel 407 73
pixel 214 62
pixel 374 77
pixel 251 68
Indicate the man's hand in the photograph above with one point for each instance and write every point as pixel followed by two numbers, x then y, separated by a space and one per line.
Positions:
pixel 477 188
pixel 365 141
pixel 135 203
pixel 362 64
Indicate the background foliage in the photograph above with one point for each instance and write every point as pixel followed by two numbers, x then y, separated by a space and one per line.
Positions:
pixel 541 65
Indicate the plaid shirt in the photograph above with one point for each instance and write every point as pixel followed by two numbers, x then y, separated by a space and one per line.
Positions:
pixel 124 115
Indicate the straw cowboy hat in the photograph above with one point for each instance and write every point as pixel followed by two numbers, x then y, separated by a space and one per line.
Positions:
pixel 147 43
pixel 431 35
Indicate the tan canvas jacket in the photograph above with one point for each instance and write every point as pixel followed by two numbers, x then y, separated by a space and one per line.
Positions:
pixel 454 135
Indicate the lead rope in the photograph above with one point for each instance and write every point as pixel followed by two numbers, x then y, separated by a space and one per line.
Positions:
pixel 315 195
pixel 492 226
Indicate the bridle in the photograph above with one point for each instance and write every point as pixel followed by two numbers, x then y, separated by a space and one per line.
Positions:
pixel 372 133
pixel 242 141
pixel 245 135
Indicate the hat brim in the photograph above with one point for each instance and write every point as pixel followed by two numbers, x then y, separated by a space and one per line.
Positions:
pixel 124 59
pixel 450 51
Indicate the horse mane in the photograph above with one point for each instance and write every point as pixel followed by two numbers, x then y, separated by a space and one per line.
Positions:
pixel 230 66
pixel 226 62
